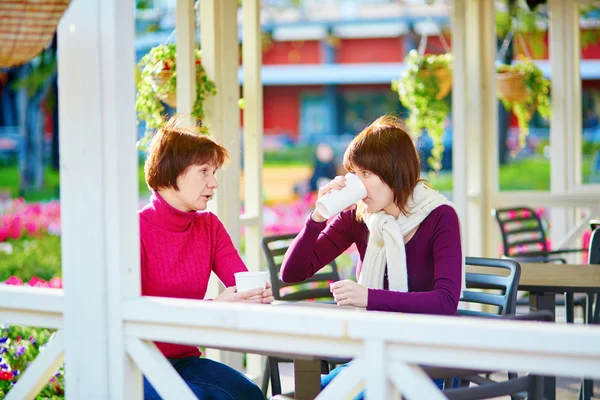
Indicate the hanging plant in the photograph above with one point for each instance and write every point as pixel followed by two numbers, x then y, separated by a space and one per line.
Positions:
pixel 423 88
pixel 157 84
pixel 523 90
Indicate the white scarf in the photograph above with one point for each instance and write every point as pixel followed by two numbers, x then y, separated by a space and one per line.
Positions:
pixel 386 240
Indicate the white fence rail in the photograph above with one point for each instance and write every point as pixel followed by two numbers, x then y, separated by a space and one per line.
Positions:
pixel 389 346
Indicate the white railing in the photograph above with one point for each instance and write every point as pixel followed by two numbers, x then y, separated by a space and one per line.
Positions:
pixel 387 346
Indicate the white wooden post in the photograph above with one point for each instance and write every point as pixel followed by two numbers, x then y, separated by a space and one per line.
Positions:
pixel 186 65
pixel 475 121
pixel 99 199
pixel 459 114
pixel 375 375
pixel 565 123
pixel 219 35
pixel 227 131
pixel 219 32
pixel 253 147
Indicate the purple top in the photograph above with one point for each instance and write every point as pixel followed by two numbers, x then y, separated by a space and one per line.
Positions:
pixel 433 259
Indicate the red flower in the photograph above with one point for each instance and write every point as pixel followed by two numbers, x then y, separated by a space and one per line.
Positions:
pixel 37 282
pixel 31 228
pixel 6 375
pixel 14 229
pixel 13 280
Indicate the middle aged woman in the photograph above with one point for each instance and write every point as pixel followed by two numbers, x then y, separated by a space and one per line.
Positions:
pixel 182 244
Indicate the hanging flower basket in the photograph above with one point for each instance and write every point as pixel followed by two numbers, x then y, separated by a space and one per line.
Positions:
pixel 422 89
pixel 27 28
pixel 523 90
pixel 159 81
pixel 157 84
pixel 442 77
pixel 511 86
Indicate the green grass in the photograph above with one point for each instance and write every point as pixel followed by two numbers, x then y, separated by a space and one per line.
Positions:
pixel 9 182
pixel 299 155
pixel 528 174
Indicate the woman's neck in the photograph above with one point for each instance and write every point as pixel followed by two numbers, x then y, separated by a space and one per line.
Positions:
pixel 392 210
pixel 171 197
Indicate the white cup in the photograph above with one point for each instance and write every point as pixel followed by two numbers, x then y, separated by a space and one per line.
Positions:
pixel 249 280
pixel 337 200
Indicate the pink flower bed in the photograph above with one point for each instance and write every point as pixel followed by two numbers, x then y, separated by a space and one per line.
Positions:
pixel 55 283
pixel 31 219
pixel 285 218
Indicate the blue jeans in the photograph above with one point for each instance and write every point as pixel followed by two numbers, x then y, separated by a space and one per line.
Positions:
pixel 210 380
pixel 326 379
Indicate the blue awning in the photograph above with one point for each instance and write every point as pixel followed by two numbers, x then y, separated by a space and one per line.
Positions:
pixel 364 74
pixel 589 69
pixel 328 74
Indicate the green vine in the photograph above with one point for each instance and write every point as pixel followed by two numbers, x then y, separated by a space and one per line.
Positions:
pixel 537 99
pixel 419 91
pixel 162 60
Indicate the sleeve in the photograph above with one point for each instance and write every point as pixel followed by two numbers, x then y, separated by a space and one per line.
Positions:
pixel 317 245
pixel 226 260
pixel 447 276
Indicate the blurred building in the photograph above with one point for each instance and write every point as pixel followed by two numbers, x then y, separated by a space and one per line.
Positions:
pixel 328 64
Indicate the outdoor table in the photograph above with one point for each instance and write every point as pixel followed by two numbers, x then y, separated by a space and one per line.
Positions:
pixel 544 281
pixel 307 372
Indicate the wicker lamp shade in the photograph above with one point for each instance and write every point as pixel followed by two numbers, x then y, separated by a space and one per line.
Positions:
pixel 26 28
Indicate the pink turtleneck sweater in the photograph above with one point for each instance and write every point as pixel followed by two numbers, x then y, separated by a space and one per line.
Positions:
pixel 179 250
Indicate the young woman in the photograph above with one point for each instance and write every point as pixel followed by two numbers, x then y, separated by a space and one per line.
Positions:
pixel 407 234
pixel 181 244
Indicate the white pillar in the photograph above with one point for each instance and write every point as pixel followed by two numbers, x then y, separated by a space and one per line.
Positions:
pixel 186 65
pixel 99 198
pixel 253 146
pixel 253 132
pixel 459 113
pixel 565 124
pixel 220 58
pixel 475 148
pixel 219 33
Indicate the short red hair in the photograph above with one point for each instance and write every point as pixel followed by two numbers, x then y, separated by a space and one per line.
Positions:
pixel 174 149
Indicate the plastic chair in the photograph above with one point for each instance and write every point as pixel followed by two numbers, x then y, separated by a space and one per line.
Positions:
pixel 594 258
pixel 274 248
pixel 503 296
pixel 524 239
pixel 587 389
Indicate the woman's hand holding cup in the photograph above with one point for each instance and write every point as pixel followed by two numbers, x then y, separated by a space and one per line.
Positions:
pixel 338 195
pixel 255 295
